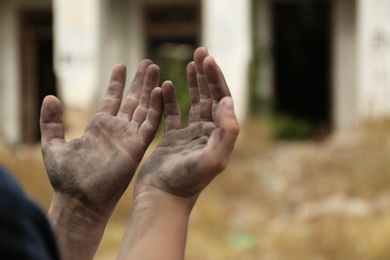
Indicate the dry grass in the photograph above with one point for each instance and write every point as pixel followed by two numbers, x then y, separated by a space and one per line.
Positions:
pixel 327 199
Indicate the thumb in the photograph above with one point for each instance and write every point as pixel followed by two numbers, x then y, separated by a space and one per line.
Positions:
pixel 51 122
pixel 223 138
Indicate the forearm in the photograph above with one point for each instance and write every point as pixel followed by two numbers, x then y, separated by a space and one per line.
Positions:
pixel 157 228
pixel 77 229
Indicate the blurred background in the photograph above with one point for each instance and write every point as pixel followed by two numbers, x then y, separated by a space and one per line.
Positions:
pixel 310 175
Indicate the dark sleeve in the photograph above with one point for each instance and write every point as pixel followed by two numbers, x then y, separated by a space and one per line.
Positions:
pixel 25 232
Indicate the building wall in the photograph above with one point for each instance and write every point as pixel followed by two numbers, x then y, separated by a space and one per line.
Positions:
pixel 122 40
pixel 117 31
pixel 360 53
pixel 116 35
pixel 95 35
pixel 373 59
pixel 227 35
pixel 344 75
pixel 77 32
pixel 10 67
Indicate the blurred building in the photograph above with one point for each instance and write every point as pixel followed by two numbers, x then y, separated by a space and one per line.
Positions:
pixel 328 61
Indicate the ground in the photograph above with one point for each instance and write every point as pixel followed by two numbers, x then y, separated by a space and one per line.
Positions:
pixel 324 199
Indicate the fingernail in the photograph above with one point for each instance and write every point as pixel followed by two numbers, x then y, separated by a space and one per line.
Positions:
pixel 229 104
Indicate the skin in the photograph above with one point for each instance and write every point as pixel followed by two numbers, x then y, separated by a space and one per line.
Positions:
pixel 89 174
pixel 186 160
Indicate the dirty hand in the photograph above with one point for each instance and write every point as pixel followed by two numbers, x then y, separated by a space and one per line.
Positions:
pixel 89 174
pixel 184 163
pixel 188 158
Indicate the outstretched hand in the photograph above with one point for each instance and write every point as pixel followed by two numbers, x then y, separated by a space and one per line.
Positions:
pixel 188 158
pixel 95 169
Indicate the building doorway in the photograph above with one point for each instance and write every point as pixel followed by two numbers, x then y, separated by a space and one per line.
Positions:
pixel 172 33
pixel 37 78
pixel 301 38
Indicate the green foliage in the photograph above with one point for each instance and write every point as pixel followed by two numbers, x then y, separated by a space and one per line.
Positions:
pixel 175 70
pixel 286 127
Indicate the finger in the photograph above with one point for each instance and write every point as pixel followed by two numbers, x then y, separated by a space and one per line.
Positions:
pixel 51 121
pixel 194 115
pixel 216 81
pixel 130 103
pixel 172 114
pixel 151 80
pixel 149 128
pixel 223 138
pixel 113 97
pixel 206 100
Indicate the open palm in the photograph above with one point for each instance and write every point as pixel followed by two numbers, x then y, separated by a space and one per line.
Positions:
pixel 96 168
pixel 187 159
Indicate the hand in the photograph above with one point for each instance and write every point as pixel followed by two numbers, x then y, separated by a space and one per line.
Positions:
pixel 184 163
pixel 187 159
pixel 89 174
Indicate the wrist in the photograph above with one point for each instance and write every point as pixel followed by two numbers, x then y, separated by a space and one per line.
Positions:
pixel 72 209
pixel 158 226
pixel 77 228
pixel 148 194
